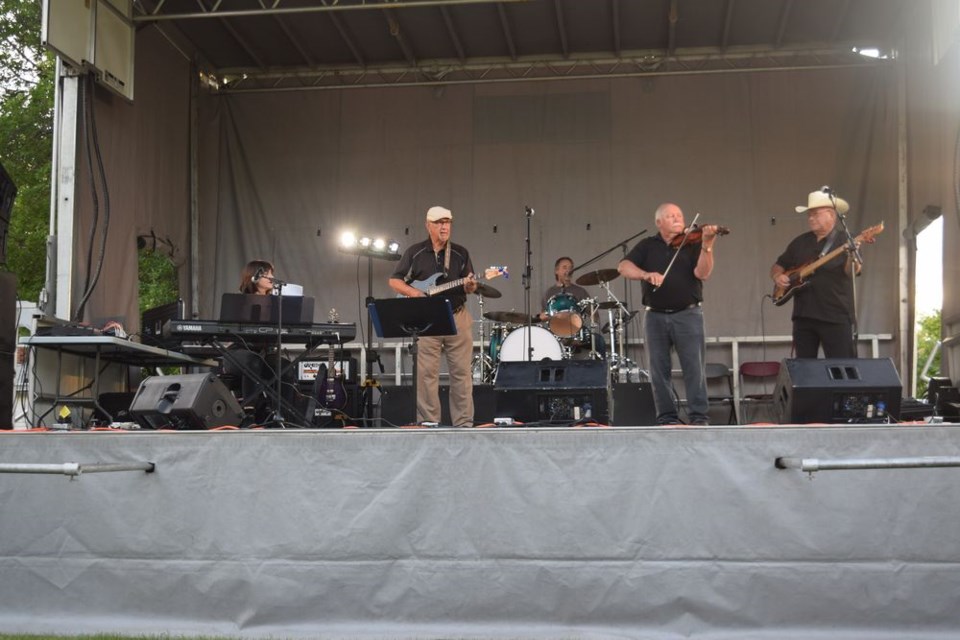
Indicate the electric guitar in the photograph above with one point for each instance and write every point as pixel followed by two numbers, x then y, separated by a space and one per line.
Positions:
pixel 798 277
pixel 431 288
pixel 332 395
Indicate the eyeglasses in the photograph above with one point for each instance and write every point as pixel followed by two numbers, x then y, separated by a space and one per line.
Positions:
pixel 441 222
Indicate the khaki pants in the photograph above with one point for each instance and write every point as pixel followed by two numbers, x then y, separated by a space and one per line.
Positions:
pixel 459 350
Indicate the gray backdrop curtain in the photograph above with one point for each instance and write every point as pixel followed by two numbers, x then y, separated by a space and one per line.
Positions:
pixel 282 174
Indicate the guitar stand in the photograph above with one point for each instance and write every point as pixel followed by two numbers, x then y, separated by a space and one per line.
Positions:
pixel 412 318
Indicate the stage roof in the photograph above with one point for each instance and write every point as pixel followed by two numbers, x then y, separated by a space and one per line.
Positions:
pixel 256 45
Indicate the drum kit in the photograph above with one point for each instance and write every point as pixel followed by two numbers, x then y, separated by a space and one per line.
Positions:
pixel 572 329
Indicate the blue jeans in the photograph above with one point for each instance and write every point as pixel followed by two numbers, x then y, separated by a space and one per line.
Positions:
pixel 683 331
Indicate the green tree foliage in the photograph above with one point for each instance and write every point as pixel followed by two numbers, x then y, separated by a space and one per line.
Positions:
pixel 928 335
pixel 26 132
pixel 158 279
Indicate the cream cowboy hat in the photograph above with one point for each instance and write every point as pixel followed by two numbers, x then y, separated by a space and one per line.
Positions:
pixel 822 198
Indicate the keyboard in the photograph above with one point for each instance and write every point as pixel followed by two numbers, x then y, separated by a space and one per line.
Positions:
pixel 311 334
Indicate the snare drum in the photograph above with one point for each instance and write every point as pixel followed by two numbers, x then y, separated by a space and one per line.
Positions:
pixel 564 321
pixel 545 346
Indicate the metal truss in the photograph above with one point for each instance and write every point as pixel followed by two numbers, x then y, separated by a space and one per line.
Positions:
pixel 152 10
pixel 541 68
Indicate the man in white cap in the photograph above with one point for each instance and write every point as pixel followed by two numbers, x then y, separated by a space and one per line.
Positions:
pixel 823 308
pixel 437 255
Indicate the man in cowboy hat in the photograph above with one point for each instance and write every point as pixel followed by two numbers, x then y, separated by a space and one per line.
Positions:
pixel 823 309
pixel 437 254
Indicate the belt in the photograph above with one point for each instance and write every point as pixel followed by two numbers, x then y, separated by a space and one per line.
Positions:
pixel 689 306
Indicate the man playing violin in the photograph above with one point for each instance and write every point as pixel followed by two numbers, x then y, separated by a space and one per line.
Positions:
pixel 823 308
pixel 672 282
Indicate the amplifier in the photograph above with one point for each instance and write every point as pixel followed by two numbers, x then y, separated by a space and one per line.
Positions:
pixel 837 390
pixel 348 368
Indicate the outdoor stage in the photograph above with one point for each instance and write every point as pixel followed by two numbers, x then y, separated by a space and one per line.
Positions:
pixel 498 532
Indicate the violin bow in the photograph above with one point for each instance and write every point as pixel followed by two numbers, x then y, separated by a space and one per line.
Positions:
pixel 686 235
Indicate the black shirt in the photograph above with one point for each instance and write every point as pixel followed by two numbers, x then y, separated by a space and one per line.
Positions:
pixel 827 295
pixel 681 288
pixel 420 261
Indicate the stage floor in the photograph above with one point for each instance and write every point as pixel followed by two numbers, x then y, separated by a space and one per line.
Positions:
pixel 501 532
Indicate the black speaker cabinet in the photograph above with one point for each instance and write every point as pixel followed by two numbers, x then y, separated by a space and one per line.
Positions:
pixel 553 391
pixel 837 390
pixel 633 404
pixel 192 401
pixel 397 406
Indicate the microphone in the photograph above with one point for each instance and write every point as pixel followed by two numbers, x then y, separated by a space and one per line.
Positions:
pixel 529 211
pixel 257 275
pixel 827 190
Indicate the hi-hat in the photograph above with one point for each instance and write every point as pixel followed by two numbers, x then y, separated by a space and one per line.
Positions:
pixel 597 277
pixel 509 317
pixel 487 291
pixel 609 304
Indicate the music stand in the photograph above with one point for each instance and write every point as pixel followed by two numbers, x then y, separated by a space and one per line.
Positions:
pixel 412 317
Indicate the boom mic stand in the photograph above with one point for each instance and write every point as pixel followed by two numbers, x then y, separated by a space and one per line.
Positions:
pixel 527 274
pixel 278 285
pixel 856 259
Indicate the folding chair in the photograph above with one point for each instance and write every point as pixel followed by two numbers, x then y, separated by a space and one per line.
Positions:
pixel 757 372
pixel 716 371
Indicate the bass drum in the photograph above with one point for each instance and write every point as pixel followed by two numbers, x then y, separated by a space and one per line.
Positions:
pixel 545 346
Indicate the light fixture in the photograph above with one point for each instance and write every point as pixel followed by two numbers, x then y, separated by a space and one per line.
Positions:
pixel 369 246
pixel 875 52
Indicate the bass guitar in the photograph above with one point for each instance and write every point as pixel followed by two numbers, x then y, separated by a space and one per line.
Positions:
pixel 431 288
pixel 332 395
pixel 798 277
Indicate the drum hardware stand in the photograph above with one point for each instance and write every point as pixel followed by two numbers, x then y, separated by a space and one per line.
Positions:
pixel 623 246
pixel 620 365
pixel 486 363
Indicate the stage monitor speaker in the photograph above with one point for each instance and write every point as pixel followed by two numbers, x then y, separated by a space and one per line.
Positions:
pixel 397 406
pixel 550 391
pixel 837 390
pixel 633 404
pixel 192 401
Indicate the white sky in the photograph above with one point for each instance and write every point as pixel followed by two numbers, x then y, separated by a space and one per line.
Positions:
pixel 929 272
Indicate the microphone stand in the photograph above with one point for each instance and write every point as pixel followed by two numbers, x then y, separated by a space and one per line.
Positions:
pixel 527 276
pixel 622 243
pixel 857 261
pixel 278 409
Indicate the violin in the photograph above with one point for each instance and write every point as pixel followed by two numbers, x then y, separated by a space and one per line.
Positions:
pixel 694 235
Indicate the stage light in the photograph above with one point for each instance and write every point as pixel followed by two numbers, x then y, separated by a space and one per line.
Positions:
pixel 369 246
pixel 874 52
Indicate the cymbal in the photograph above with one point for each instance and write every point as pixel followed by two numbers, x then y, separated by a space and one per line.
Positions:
pixel 487 291
pixel 597 277
pixel 509 317
pixel 609 304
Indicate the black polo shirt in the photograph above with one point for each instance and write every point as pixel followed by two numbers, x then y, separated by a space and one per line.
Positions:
pixel 827 295
pixel 680 288
pixel 420 262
